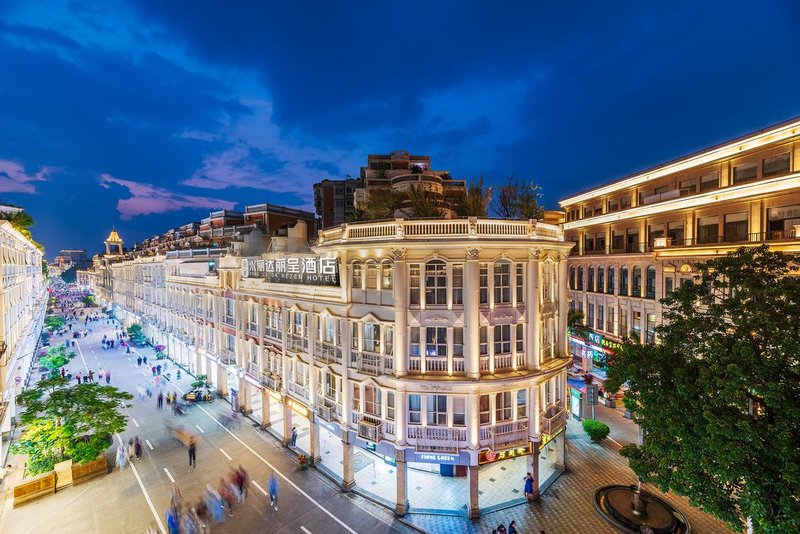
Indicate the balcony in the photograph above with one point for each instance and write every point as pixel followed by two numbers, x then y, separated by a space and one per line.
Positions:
pixel 328 353
pixel 327 413
pixel 553 419
pixel 502 362
pixel 505 435
pixel 371 363
pixel 370 429
pixel 437 439
pixel 661 197
pixel 298 390
pixel 272 382
pixel 227 356
pixel 296 343
pixel 253 369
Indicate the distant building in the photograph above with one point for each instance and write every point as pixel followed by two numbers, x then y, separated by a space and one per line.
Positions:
pixel 334 200
pixel 72 257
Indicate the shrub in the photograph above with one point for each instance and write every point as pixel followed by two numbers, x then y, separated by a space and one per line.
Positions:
pixel 597 430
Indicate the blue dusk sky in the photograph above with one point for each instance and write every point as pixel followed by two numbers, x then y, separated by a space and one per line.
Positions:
pixel 148 114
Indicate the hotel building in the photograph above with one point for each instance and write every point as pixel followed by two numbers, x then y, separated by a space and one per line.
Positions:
pixel 423 362
pixel 22 307
pixel 638 238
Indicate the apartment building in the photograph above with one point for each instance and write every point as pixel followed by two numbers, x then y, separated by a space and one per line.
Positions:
pixel 334 200
pixel 22 307
pixel 422 362
pixel 638 238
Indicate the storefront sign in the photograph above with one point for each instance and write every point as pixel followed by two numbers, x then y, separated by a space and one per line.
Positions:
pixel 547 438
pixel 613 345
pixel 298 407
pixel 305 270
pixel 489 456
pixel 413 456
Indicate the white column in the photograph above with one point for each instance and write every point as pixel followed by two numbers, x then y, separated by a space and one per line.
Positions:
pixel 401 414
pixel 533 327
pixel 473 417
pixel 472 315
pixel 400 291
pixel 563 307
pixel 401 472
pixel 265 405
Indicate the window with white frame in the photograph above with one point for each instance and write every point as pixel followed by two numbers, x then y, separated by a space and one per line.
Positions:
pixel 502 339
pixel 459 411
pixel 330 386
pixel 388 339
pixel 358 275
pixel 483 341
pixel 372 337
pixel 329 330
pixel 458 283
pixel 386 275
pixel 372 275
pixel 437 410
pixel 520 282
pixel 502 282
pixel 484 409
pixel 436 341
pixel 413 295
pixel 372 400
pixel 356 398
pixel 413 346
pixel 503 406
pixel 354 330
pixel 484 283
pixel 254 353
pixel 520 340
pixel 458 342
pixel 390 405
pixel 414 409
pixel 435 283
pixel 522 403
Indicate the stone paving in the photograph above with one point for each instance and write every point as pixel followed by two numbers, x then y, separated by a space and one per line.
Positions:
pixel 567 506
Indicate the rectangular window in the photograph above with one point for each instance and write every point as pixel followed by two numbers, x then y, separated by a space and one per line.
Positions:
pixel 776 165
pixel 637 323
pixel 709 182
pixel 436 341
pixel 520 282
pixel 372 401
pixel 707 229
pixel 354 330
pixel 435 283
pixel 522 403
pixel 502 339
pixel 459 411
pixel 390 405
pixel 613 204
pixel 484 410
pixel 413 346
pixel 735 229
pixel 386 275
pixel 623 322
pixel 655 231
pixel 502 407
pixel 590 315
pixel 484 283
pixel 483 343
pixel 458 342
pixel 414 409
pixel 618 240
pixel 372 337
pixel 688 187
pixel 651 327
pixel 610 319
pixel 388 338
pixel 588 243
pixel 611 282
pixel 625 202
pixel 600 310
pixel 358 275
pixel 675 232
pixel 502 282
pixel 600 241
pixel 590 280
pixel 356 398
pixel 601 282
pixel 437 410
pixel 413 270
pixel 636 282
pixel 520 338
pixel 745 172
pixel 669 285
pixel 458 284
pixel 372 275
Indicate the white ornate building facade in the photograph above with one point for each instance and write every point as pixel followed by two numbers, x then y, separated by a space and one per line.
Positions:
pixel 22 307
pixel 434 351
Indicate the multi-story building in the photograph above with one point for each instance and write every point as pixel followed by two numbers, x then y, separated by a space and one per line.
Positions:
pixel 99 277
pixel 638 238
pixel 72 258
pixel 334 200
pixel 422 362
pixel 22 306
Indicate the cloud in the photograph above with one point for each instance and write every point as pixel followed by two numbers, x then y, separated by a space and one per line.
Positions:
pixel 147 199
pixel 14 179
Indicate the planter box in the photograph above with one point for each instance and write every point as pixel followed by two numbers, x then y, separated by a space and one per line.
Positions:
pixel 63 474
pixel 33 488
pixel 88 471
pixel 611 403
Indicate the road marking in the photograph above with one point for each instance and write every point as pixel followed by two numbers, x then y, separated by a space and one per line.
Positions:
pixel 169 476
pixel 259 487
pixel 134 422
pixel 617 443
pixel 200 428
pixel 304 529
pixel 148 444
pixel 225 454
pixel 284 477
pixel 146 495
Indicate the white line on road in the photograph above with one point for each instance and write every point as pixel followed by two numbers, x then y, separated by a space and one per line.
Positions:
pixel 259 487
pixel 148 444
pixel 200 428
pixel 615 442
pixel 304 529
pixel 146 495
pixel 284 477
pixel 134 422
pixel 225 454
pixel 169 476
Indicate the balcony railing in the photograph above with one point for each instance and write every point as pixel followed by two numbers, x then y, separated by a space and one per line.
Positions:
pixel 553 419
pixel 502 362
pixel 370 429
pixel 227 356
pixel 297 389
pixel 328 353
pixel 371 363
pixel 327 412
pixel 296 343
pixel 437 439
pixel 505 435
pixel 272 382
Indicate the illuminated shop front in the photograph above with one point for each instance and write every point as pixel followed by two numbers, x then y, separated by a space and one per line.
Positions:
pixel 594 350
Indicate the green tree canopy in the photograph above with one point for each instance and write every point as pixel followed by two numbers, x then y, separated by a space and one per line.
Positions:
pixel 475 202
pixel 135 334
pixel 56 358
pixel 720 393
pixel 518 199
pixel 54 322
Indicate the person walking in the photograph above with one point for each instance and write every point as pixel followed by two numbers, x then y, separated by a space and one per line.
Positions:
pixel 273 491
pixel 192 453
pixel 528 487
pixel 160 401
pixel 122 457
pixel 108 377
pixel 144 359
pixel 78 377
pixel 137 447
pixel 512 528
pixel 158 369
pixel 154 370
pixel 139 361
pixel 91 376
pixel 294 436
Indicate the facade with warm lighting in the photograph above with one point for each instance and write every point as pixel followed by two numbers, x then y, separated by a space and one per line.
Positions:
pixel 637 238
pixel 433 350
pixel 22 307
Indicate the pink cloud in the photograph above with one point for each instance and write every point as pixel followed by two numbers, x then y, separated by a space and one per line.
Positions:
pixel 14 179
pixel 147 199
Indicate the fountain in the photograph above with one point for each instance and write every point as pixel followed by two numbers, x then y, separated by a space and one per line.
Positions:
pixel 635 511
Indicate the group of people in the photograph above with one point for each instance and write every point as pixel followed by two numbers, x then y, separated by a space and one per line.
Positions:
pixel 512 529
pixel 87 378
pixel 129 452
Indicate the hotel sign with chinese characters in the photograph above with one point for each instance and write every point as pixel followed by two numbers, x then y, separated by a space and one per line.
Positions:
pixel 303 270
pixel 489 456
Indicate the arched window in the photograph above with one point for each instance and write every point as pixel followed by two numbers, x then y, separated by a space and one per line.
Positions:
pixel 372 275
pixel 623 280
pixel 610 281
pixel 601 279
pixel 502 282
pixel 435 282
pixel 650 282
pixel 386 275
pixel 572 277
pixel 358 275
pixel 636 282
pixel 580 278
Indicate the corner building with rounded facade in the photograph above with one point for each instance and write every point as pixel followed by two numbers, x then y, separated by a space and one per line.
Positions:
pixel 428 372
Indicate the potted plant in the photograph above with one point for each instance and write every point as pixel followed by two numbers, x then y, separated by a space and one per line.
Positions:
pixel 159 351
pixel 630 406
pixel 302 462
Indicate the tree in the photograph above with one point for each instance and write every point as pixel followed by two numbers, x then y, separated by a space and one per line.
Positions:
pixel 56 358
pixel 19 219
pixel 68 422
pixel 135 334
pixel 54 322
pixel 719 395
pixel 518 199
pixel 88 300
pixel 475 202
pixel 423 203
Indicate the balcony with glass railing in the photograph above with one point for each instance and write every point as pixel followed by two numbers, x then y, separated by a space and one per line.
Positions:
pixel 553 418
pixel 437 439
pixel 505 435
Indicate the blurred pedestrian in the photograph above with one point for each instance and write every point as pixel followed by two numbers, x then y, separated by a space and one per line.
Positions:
pixel 122 456
pixel 160 400
pixel 273 491
pixel 294 436
pixel 108 377
pixel 192 453
pixel 137 447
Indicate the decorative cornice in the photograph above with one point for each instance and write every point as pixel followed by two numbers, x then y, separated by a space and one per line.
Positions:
pixel 399 253
pixel 473 253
